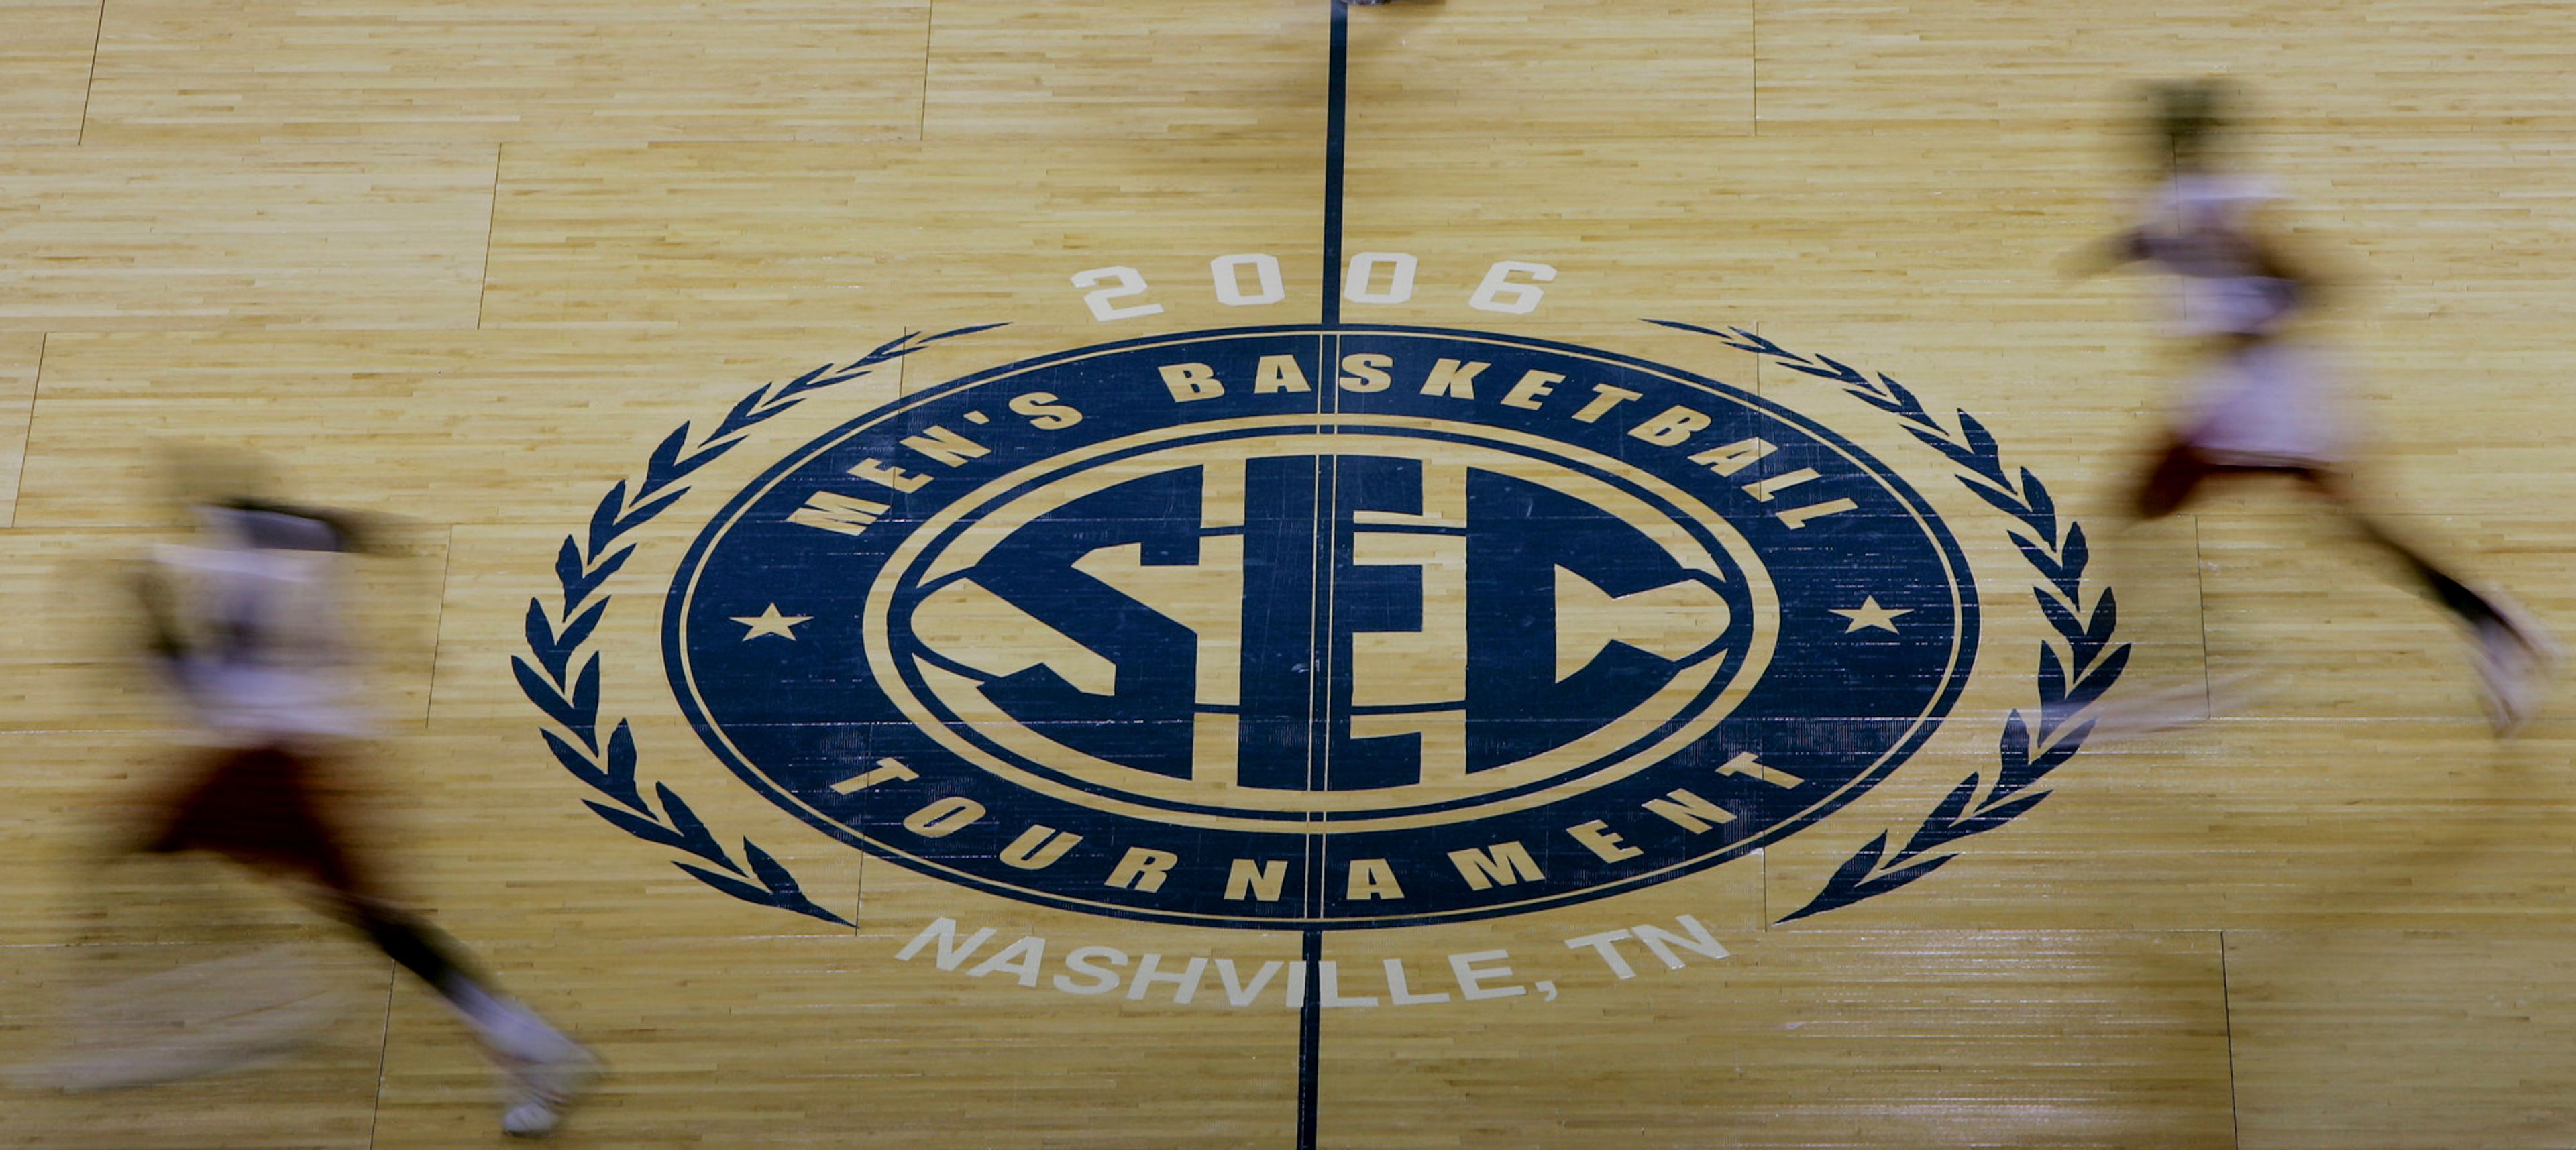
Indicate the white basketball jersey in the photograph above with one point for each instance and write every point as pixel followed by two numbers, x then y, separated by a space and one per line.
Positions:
pixel 2195 227
pixel 2274 404
pixel 266 655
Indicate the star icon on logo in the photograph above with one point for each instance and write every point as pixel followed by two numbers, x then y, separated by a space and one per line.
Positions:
pixel 1870 614
pixel 770 622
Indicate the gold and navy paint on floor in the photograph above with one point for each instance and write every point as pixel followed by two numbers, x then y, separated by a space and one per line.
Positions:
pixel 1318 627
pixel 475 266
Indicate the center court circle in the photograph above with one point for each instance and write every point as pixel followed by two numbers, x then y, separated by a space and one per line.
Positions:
pixel 1304 627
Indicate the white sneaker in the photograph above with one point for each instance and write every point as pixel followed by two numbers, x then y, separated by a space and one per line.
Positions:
pixel 2515 656
pixel 542 1089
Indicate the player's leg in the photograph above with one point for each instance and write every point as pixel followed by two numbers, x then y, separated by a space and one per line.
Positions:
pixel 2156 700
pixel 2170 481
pixel 546 1067
pixel 178 968
pixel 2513 653
pixel 306 833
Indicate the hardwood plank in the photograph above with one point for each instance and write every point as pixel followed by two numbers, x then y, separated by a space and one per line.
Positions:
pixel 1486 71
pixel 2252 824
pixel 813 236
pixel 101 238
pixel 480 71
pixel 1192 70
pixel 19 359
pixel 2091 1039
pixel 326 406
pixel 45 69
pixel 1840 66
pixel 2342 1040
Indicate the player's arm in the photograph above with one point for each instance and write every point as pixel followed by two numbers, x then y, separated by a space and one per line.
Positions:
pixel 351 532
pixel 2275 257
pixel 2106 255
pixel 163 637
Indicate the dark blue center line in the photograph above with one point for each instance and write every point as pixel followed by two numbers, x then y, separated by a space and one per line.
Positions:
pixel 1336 105
pixel 1310 1039
pixel 1310 1016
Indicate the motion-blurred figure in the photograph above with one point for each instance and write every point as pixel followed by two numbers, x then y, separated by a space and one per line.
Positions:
pixel 249 624
pixel 2263 404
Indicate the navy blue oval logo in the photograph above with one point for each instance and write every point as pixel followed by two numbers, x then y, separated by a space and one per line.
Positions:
pixel 1305 627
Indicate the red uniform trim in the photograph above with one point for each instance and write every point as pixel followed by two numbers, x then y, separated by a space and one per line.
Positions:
pixel 265 807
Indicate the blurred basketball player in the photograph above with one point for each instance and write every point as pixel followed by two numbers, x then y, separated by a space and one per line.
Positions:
pixel 248 624
pixel 2263 404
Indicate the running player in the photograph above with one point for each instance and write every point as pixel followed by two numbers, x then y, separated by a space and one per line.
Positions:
pixel 247 624
pixel 2264 404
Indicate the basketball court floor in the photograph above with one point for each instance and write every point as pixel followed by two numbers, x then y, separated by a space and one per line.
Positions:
pixel 1486 573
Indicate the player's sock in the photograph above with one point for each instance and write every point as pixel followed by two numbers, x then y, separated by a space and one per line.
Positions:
pixel 545 1068
pixel 510 1030
pixel 414 945
pixel 2456 597
pixel 422 950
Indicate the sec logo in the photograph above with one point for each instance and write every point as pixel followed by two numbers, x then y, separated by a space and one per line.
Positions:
pixel 1320 627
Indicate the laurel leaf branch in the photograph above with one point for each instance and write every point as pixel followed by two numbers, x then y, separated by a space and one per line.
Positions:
pixel 564 685
pixel 2068 683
